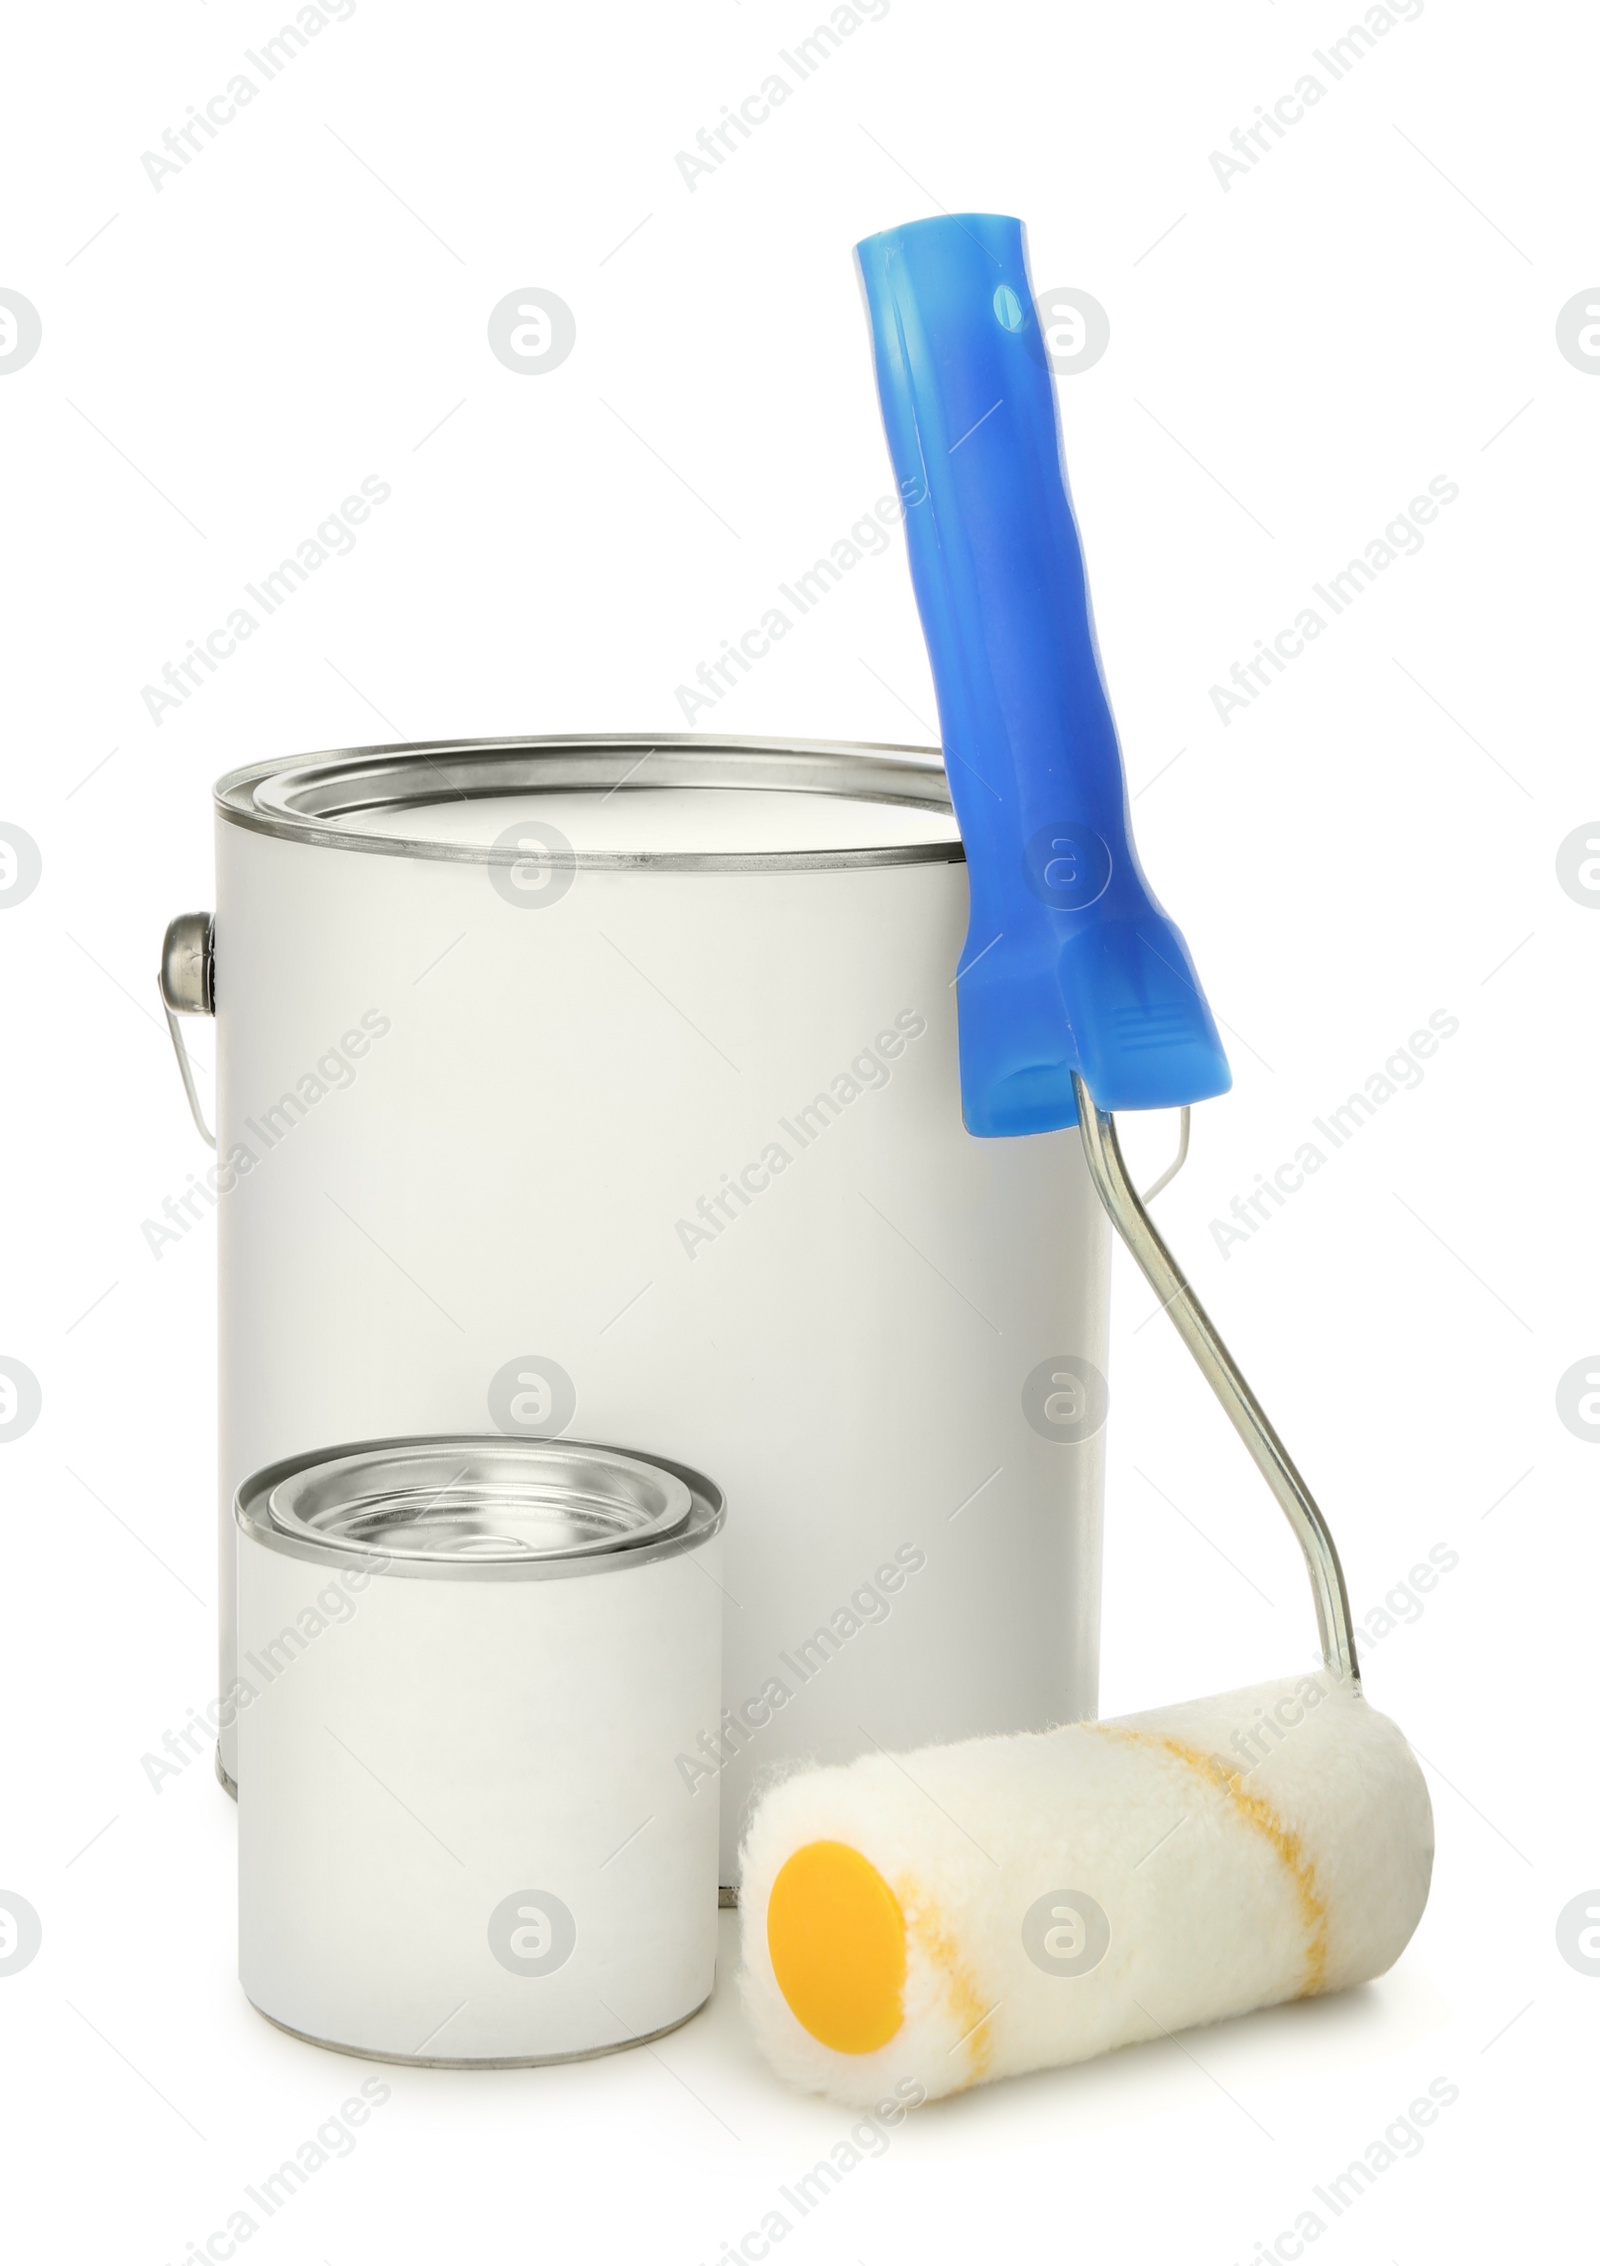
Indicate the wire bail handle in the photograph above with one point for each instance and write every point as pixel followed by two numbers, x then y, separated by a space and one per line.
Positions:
pixel 187 983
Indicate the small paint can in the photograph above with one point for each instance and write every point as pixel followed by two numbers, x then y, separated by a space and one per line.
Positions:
pixel 466 1668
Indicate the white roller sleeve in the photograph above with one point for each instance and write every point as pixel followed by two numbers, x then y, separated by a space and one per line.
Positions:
pixel 1263 1845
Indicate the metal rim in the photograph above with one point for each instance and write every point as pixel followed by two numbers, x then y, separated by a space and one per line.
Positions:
pixel 484 2061
pixel 498 1503
pixel 319 799
pixel 675 1508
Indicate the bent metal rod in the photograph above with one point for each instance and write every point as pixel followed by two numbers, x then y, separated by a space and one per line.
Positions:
pixel 1221 1372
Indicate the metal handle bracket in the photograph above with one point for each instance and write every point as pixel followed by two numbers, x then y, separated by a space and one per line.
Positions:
pixel 187 983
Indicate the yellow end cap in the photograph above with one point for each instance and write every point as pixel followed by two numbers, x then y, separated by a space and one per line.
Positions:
pixel 837 1938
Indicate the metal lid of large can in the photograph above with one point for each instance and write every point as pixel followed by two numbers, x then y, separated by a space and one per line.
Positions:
pixel 479 1508
pixel 668 803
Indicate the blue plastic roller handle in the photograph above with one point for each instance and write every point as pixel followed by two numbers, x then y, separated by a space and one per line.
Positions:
pixel 1069 962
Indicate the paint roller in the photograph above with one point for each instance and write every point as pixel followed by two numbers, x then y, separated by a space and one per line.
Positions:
pixel 969 1912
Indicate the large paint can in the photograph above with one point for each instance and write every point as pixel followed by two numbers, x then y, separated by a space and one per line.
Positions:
pixel 608 1088
pixel 466 1668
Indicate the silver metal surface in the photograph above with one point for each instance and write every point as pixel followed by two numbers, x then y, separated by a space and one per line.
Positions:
pixel 479 1509
pixel 1221 1372
pixel 470 1499
pixel 186 1073
pixel 505 2061
pixel 187 971
pixel 187 986
pixel 1178 1161
pixel 323 798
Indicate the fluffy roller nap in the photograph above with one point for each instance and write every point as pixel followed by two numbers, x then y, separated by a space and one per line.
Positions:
pixel 969 1912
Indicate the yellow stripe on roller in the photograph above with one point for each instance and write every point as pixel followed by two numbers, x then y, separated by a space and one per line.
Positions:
pixel 1256 1812
pixel 961 1996
pixel 837 1939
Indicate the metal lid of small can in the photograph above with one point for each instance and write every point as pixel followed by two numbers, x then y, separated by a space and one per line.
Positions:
pixel 479 1508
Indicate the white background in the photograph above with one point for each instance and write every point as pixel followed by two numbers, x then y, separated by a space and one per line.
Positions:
pixel 1291 359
